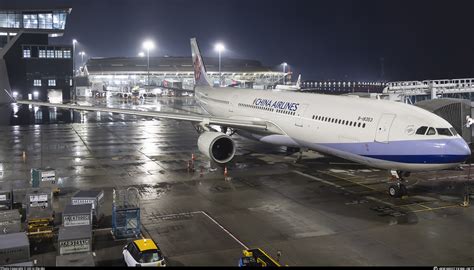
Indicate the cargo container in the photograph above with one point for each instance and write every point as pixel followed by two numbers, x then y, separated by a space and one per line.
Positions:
pixel 38 198
pixel 75 239
pixel 44 178
pixel 14 248
pixel 6 196
pixel 19 189
pixel 40 222
pixel 77 215
pixel 39 213
pixel 75 259
pixel 95 198
pixel 10 221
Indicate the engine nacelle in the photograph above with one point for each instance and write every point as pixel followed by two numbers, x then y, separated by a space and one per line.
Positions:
pixel 217 146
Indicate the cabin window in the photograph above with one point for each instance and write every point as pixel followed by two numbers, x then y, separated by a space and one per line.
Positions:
pixel 431 131
pixel 358 125
pixel 421 130
pixel 453 130
pixel 363 125
pixel 444 132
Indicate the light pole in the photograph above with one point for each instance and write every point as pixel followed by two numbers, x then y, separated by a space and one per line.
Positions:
pixel 82 57
pixel 220 48
pixel 74 41
pixel 148 45
pixel 284 75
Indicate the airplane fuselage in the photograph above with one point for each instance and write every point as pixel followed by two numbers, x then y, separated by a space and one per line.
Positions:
pixel 378 133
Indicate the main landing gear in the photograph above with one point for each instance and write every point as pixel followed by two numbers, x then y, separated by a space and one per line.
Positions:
pixel 398 189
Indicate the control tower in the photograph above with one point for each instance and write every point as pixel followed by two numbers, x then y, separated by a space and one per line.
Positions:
pixel 30 67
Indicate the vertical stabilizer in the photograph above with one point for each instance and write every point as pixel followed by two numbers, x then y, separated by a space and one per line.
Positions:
pixel 200 76
pixel 298 82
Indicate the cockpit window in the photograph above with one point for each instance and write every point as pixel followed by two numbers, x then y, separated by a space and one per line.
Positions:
pixel 431 131
pixel 444 131
pixel 453 130
pixel 421 130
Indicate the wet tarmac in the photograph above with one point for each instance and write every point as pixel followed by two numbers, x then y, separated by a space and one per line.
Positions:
pixel 321 211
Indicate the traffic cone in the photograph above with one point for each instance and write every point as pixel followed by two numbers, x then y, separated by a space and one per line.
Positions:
pixel 225 172
pixel 192 157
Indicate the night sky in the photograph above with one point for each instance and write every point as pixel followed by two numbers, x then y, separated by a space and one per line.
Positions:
pixel 321 39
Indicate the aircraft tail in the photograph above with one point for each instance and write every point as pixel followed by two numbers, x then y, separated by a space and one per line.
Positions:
pixel 298 82
pixel 200 76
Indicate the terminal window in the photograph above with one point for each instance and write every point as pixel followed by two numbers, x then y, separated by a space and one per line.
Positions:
pixel 37 83
pixel 10 19
pixel 59 54
pixel 67 54
pixel 30 20
pixel 42 54
pixel 50 54
pixel 45 21
pixel 59 19
pixel 26 53
pixel 51 82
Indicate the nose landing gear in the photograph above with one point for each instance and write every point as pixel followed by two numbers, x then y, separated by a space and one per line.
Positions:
pixel 398 190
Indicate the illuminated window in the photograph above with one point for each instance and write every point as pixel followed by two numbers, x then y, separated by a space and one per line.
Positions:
pixel 59 54
pixel 70 82
pixel 26 53
pixel 37 83
pixel 42 54
pixel 59 20
pixel 51 82
pixel 30 21
pixel 10 19
pixel 45 21
pixel 50 54
pixel 67 54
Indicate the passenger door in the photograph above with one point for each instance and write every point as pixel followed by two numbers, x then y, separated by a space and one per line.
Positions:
pixel 383 128
pixel 299 115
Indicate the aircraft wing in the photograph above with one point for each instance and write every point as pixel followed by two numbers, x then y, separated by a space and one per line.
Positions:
pixel 196 118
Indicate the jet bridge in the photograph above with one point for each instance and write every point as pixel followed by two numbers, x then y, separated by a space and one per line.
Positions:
pixel 433 88
pixel 453 110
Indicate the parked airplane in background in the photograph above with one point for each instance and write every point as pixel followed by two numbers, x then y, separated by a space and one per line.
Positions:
pixel 290 87
pixel 378 133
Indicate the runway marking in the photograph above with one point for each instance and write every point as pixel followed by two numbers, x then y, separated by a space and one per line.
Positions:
pixel 318 179
pixel 210 218
pixel 347 179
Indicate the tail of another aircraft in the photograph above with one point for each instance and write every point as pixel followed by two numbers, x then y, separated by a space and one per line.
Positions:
pixel 200 76
pixel 298 82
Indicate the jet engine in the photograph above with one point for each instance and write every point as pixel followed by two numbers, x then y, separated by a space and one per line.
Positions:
pixel 217 146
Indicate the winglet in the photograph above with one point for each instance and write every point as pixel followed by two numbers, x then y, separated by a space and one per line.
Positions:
pixel 12 98
pixel 200 76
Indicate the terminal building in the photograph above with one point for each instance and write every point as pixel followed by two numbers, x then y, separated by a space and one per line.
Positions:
pixel 343 87
pixel 29 66
pixel 121 74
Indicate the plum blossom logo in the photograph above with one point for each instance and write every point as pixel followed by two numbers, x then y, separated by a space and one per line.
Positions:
pixel 197 68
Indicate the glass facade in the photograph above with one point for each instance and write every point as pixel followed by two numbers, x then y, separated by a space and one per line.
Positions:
pixel 55 20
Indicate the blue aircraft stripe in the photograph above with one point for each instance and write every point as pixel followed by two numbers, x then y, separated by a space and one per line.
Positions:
pixel 421 159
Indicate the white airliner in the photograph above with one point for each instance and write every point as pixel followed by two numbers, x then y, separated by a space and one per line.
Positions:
pixel 290 87
pixel 378 133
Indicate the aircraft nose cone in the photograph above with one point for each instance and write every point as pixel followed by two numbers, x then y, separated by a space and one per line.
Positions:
pixel 458 148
